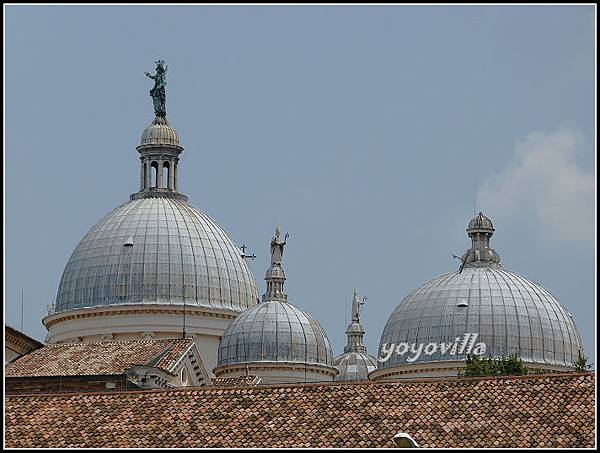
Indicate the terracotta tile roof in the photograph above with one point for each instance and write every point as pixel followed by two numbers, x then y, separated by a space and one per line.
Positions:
pixel 236 382
pixel 108 357
pixel 172 354
pixel 530 411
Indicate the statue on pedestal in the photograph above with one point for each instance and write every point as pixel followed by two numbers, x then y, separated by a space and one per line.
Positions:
pixel 277 245
pixel 158 92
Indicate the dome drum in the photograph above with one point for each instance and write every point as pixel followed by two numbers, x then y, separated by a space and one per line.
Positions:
pixel 441 369
pixel 137 321
pixel 279 372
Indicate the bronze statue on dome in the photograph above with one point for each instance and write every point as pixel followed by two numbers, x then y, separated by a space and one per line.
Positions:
pixel 158 92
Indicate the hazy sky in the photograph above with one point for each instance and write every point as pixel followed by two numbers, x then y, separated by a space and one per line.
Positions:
pixel 361 130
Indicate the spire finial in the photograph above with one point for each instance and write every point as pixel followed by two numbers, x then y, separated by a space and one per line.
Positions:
pixel 275 276
pixel 355 331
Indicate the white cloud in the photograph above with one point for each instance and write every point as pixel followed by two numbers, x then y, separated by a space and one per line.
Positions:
pixel 545 186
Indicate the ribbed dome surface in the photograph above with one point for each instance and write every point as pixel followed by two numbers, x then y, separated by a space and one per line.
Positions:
pixel 354 366
pixel 511 315
pixel 274 331
pixel 156 251
pixel 160 132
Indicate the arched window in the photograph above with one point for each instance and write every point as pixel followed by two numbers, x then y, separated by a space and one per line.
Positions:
pixel 165 175
pixel 185 378
pixel 153 174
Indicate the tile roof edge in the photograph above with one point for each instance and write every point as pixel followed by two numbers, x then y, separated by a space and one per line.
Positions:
pixel 309 384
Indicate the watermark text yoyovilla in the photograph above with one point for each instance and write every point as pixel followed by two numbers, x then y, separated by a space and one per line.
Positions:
pixel 466 345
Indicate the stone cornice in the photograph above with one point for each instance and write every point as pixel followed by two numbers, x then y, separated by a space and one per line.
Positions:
pixel 158 193
pixel 120 310
pixel 444 366
pixel 19 339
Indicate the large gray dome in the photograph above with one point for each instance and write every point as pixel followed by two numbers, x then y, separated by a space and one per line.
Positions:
pixel 156 250
pixel 274 331
pixel 511 315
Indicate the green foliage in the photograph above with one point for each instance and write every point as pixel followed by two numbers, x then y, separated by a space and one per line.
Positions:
pixel 511 365
pixel 581 363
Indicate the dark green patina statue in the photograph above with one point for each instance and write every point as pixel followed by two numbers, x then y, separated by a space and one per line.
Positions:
pixel 158 92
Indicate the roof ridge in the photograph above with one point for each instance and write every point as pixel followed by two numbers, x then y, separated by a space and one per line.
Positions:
pixel 584 374
pixel 83 343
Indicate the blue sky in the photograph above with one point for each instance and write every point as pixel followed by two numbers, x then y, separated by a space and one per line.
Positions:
pixel 361 130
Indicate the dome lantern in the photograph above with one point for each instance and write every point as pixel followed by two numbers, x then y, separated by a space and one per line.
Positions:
pixel 480 230
pixel 160 147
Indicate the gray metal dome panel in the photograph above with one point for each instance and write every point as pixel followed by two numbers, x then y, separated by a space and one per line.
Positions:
pixel 274 331
pixel 511 315
pixel 354 366
pixel 178 254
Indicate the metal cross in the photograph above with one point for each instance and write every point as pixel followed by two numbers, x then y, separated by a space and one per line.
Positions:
pixel 243 247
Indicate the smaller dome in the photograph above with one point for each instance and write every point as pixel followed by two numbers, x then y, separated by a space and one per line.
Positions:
pixel 274 331
pixel 275 272
pixel 480 223
pixel 354 366
pixel 160 132
pixel 355 328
